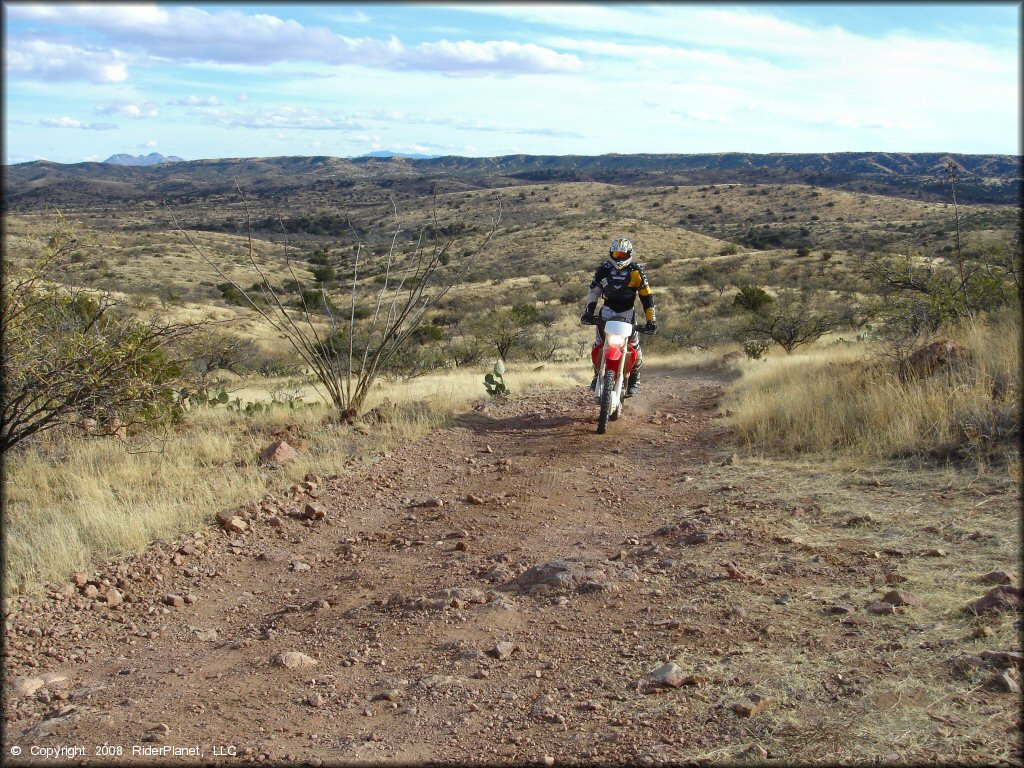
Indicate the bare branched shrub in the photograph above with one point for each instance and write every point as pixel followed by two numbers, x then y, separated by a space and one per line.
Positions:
pixel 346 358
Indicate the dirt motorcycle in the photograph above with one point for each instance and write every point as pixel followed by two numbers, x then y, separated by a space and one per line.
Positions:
pixel 613 359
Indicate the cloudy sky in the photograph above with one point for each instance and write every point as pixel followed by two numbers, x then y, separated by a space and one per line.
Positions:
pixel 85 81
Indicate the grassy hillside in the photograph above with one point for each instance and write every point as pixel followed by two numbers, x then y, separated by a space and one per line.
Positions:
pixel 700 243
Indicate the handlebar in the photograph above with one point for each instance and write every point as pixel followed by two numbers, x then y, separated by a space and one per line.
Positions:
pixel 600 322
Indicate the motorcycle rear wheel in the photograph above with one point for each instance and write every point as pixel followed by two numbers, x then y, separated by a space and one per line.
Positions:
pixel 606 402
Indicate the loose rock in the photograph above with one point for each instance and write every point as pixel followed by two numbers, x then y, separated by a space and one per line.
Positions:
pixel 278 452
pixel 902 597
pixel 1002 598
pixel 502 650
pixel 752 705
pixel 293 660
pixel 997 577
pixel 881 609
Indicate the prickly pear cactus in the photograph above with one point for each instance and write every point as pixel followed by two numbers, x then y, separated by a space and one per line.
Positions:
pixel 494 382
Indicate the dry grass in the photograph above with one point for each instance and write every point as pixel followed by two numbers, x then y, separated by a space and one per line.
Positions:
pixel 844 400
pixel 72 501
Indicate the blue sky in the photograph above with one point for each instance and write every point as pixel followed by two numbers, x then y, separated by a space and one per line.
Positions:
pixel 85 81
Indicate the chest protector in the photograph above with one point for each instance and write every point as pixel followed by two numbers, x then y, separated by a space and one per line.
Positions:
pixel 620 286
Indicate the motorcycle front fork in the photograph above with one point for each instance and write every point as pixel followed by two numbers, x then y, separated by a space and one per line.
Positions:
pixel 618 379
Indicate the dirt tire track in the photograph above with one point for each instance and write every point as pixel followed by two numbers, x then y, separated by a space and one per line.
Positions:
pixel 403 670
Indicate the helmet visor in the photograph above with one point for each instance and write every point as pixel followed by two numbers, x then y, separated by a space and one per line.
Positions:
pixel 620 255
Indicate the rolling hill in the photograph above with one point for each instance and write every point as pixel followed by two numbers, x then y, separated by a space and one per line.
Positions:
pixel 994 179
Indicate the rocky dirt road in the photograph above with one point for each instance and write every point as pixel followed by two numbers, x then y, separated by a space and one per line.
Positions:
pixel 518 589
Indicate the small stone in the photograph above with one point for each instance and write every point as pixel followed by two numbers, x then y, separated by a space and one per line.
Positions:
pixel 1004 681
pixel 80 579
pixel 752 705
pixel 29 685
pixel 734 572
pixel 293 660
pixel 549 760
pixel 935 553
pixel 231 523
pixel 190 599
pixel 997 577
pixel 1003 658
pixel 502 650
pixel 313 512
pixel 840 609
pixel 472 498
pixel 669 675
pixel 756 752
pixel 187 549
pixel 90 591
pixel 298 566
pixel 881 609
pixel 902 597
pixel 315 700
pixel 114 597
pixel 1002 598
pixel 319 605
pixel 175 601
pixel 278 453
pixel 275 521
pixel 461 546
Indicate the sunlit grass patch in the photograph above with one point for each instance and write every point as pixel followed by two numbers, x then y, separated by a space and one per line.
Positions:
pixel 847 399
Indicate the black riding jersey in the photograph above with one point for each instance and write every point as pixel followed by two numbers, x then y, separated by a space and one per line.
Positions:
pixel 620 287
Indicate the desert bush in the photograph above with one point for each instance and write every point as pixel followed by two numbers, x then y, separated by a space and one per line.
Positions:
pixel 752 298
pixel 755 349
pixel 791 321
pixel 70 353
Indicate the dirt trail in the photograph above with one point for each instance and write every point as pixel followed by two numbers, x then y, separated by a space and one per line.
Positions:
pixel 433 640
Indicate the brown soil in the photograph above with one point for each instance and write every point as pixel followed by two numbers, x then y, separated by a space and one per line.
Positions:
pixel 752 577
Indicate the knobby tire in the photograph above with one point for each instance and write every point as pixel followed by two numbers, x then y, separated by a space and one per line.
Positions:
pixel 606 401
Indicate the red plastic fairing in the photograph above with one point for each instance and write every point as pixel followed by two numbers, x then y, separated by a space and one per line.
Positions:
pixel 613 357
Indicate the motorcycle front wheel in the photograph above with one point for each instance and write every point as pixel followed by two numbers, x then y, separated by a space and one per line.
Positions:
pixel 606 401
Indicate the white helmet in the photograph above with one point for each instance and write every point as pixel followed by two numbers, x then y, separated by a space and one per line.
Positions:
pixel 621 253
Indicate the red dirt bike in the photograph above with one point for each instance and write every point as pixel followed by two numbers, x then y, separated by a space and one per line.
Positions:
pixel 614 359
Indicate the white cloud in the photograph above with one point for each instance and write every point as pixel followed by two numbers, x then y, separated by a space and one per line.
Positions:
pixel 70 122
pixel 462 124
pixel 108 14
pixel 282 118
pixel 148 109
pixel 190 34
pixel 196 101
pixel 468 57
pixel 41 60
pixel 243 96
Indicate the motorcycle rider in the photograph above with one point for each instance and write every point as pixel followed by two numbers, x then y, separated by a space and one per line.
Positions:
pixel 620 280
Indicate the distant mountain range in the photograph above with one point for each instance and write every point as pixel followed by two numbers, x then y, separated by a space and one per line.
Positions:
pixel 920 175
pixel 387 153
pixel 153 158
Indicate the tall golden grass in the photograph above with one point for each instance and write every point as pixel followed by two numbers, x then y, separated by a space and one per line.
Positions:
pixel 847 399
pixel 72 501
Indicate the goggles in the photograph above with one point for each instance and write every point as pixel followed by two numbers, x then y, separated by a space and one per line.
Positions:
pixel 620 255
